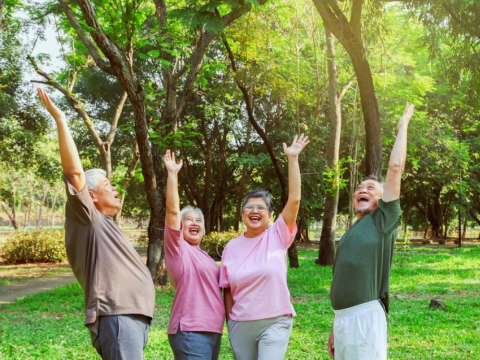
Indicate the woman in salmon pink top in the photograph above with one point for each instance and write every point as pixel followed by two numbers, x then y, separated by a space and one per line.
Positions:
pixel 198 314
pixel 254 271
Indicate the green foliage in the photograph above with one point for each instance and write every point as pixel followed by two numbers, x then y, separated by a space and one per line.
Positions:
pixel 333 176
pixel 35 246
pixel 50 324
pixel 215 242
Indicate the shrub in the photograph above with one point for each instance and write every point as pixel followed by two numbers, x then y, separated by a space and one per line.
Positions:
pixel 35 246
pixel 215 242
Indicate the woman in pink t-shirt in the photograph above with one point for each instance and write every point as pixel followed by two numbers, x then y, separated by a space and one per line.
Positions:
pixel 254 271
pixel 197 317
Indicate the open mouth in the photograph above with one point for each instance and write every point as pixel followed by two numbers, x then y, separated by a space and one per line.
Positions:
pixel 254 218
pixel 194 231
pixel 363 199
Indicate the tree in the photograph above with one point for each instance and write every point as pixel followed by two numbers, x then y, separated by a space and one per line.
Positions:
pixel 117 48
pixel 349 33
pixel 326 251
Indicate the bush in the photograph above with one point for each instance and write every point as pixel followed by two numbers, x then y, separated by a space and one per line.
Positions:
pixel 215 242
pixel 35 246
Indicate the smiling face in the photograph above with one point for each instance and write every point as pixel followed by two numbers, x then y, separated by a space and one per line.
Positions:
pixel 106 197
pixel 192 227
pixel 255 216
pixel 365 198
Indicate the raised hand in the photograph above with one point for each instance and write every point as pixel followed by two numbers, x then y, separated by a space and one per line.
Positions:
pixel 297 145
pixel 56 113
pixel 170 163
pixel 407 114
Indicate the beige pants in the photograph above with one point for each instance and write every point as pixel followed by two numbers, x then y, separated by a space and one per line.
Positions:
pixel 360 332
pixel 265 339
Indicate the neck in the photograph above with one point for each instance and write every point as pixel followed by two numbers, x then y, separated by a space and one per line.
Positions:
pixel 108 211
pixel 360 215
pixel 253 233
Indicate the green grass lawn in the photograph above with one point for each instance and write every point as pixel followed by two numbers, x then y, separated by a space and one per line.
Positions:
pixel 50 325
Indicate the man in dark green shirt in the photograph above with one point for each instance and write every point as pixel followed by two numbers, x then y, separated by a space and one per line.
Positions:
pixel 361 271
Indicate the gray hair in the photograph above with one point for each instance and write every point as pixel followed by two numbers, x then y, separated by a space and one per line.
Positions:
pixel 92 177
pixel 189 208
pixel 259 193
pixel 374 178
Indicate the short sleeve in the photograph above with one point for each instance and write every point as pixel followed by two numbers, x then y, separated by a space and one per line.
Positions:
pixel 223 281
pixel 387 215
pixel 282 232
pixel 173 241
pixel 80 207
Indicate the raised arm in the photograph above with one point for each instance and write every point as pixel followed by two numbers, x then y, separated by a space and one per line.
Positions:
pixel 172 216
pixel 72 167
pixel 290 211
pixel 396 164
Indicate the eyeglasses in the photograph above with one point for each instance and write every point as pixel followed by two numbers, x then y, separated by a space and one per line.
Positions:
pixel 250 207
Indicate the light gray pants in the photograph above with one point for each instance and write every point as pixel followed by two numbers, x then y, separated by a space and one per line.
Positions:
pixel 122 337
pixel 265 339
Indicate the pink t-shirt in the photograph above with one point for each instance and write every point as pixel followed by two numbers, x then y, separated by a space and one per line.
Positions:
pixel 198 303
pixel 256 271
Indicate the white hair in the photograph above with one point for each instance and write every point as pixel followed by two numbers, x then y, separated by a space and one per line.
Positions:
pixel 189 208
pixel 92 178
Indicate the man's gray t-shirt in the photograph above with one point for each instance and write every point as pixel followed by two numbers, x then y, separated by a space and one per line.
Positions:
pixel 112 274
pixel 361 272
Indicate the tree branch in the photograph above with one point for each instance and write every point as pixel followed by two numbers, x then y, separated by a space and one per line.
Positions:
pixel 71 100
pixel 116 116
pixel 459 21
pixel 355 17
pixel 2 5
pixel 101 63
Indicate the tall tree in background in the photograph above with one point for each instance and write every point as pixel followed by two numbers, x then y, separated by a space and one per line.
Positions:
pixel 116 58
pixel 326 253
pixel 349 33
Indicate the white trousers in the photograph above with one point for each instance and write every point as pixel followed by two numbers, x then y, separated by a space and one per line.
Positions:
pixel 360 332
pixel 265 339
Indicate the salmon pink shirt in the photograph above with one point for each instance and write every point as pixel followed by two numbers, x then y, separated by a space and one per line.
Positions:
pixel 255 269
pixel 198 303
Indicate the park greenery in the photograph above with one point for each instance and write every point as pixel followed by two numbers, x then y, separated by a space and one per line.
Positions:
pixel 223 83
pixel 50 324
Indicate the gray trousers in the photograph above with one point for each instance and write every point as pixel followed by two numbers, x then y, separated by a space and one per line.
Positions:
pixel 122 337
pixel 265 339
pixel 199 345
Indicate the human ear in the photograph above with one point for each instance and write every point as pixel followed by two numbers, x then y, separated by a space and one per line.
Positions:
pixel 92 195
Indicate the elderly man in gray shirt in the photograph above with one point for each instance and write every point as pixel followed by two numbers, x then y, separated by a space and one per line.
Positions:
pixel 119 291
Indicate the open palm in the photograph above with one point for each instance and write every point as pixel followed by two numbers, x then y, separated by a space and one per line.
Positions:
pixel 407 114
pixel 299 142
pixel 51 108
pixel 170 163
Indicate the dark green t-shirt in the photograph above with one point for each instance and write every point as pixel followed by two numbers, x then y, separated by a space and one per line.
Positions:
pixel 361 272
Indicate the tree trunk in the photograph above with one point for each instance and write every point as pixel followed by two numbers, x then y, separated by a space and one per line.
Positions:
pixel 349 35
pixel 2 5
pixel 40 211
pixel 353 165
pixel 326 251
pixel 54 200
pixel 10 215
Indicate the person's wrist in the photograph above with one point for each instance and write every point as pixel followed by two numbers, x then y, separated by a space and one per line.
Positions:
pixel 292 157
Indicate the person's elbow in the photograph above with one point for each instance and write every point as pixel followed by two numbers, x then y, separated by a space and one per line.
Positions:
pixel 172 213
pixel 294 201
pixel 73 176
pixel 396 166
